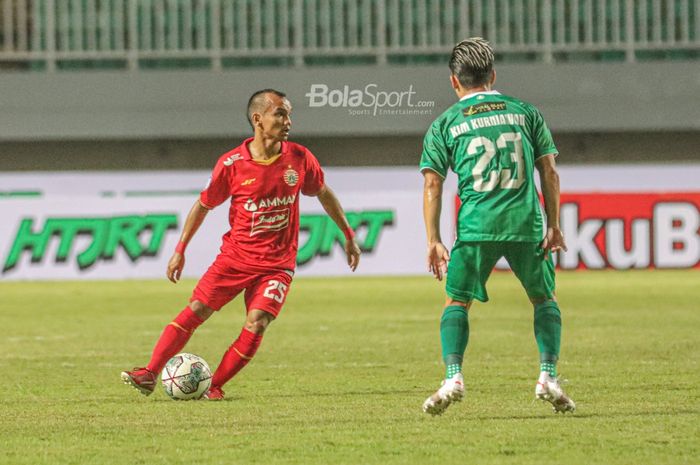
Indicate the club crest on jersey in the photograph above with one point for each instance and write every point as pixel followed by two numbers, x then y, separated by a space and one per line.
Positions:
pixel 291 177
pixel 250 206
pixel 235 157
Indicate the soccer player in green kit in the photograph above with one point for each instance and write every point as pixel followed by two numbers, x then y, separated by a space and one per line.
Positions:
pixel 493 143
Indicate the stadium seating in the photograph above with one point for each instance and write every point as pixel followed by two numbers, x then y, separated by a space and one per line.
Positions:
pixel 143 34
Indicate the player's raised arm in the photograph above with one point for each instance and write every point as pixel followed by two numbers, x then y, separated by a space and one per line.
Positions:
pixel 332 206
pixel 432 205
pixel 194 220
pixel 549 179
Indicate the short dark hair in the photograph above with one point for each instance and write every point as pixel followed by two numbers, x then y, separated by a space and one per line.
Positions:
pixel 257 102
pixel 472 62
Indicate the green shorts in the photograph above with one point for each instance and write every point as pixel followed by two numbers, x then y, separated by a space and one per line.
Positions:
pixel 471 264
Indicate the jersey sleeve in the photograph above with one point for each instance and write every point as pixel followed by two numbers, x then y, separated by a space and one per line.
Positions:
pixel 313 177
pixel 218 188
pixel 541 136
pixel 435 155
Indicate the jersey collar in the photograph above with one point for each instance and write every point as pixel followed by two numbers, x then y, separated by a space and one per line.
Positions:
pixel 245 153
pixel 474 94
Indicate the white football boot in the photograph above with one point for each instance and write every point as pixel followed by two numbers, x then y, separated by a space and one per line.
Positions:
pixel 451 390
pixel 548 389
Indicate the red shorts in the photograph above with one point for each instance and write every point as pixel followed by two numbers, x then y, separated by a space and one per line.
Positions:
pixel 222 282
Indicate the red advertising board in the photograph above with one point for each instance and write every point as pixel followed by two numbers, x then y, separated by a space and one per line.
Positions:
pixel 630 230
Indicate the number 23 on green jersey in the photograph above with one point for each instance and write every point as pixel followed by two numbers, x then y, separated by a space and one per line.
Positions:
pixel 491 141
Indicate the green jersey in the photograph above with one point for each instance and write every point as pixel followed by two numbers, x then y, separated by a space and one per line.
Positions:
pixel 491 141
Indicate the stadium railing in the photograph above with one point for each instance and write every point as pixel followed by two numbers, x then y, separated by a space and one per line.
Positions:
pixel 137 34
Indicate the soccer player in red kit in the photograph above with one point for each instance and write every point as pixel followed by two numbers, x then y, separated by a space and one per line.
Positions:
pixel 263 177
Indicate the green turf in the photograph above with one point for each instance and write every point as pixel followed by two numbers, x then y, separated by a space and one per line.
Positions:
pixel 341 376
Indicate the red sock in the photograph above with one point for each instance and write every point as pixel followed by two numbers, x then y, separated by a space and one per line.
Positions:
pixel 173 339
pixel 236 357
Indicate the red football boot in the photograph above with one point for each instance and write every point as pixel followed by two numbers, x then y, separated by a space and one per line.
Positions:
pixel 214 393
pixel 142 379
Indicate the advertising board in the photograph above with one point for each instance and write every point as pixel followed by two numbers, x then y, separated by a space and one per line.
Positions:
pixel 125 225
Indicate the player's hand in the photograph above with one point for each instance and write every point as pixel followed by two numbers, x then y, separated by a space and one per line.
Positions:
pixel 175 266
pixel 437 259
pixel 554 240
pixel 352 251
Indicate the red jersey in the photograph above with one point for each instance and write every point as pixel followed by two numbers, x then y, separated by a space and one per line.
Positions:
pixel 264 212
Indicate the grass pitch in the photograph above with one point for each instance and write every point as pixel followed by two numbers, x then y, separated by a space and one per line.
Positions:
pixel 341 377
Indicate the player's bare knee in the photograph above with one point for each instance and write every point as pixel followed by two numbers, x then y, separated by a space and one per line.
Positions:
pixel 449 302
pixel 258 321
pixel 201 310
pixel 256 326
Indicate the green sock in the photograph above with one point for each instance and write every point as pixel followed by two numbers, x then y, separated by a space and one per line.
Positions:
pixel 453 369
pixel 549 367
pixel 454 335
pixel 548 335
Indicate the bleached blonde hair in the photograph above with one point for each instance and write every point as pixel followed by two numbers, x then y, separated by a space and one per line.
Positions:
pixel 472 62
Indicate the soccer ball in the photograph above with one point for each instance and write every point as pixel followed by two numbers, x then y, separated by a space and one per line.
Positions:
pixel 186 376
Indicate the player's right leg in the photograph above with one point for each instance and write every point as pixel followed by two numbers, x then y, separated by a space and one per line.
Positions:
pixel 547 325
pixel 172 340
pixel 549 390
pixel 467 273
pixel 211 293
pixel 535 270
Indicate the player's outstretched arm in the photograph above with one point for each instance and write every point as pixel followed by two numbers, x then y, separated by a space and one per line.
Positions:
pixel 432 205
pixel 549 180
pixel 331 204
pixel 194 220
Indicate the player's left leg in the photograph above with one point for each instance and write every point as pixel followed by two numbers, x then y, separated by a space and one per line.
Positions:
pixel 240 352
pixel 264 300
pixel 454 336
pixel 467 273
pixel 535 270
